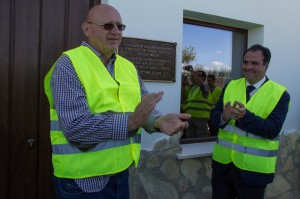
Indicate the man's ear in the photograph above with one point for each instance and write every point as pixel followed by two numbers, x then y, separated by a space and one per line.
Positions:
pixel 86 29
pixel 267 65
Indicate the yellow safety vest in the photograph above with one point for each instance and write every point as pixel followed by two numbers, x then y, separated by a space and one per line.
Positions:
pixel 248 151
pixel 197 105
pixel 183 103
pixel 215 95
pixel 103 94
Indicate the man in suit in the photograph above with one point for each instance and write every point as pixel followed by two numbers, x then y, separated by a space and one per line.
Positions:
pixel 245 152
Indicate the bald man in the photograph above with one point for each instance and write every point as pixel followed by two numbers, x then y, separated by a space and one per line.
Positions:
pixel 98 105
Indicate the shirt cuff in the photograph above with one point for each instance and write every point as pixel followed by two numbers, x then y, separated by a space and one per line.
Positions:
pixel 222 122
pixel 120 127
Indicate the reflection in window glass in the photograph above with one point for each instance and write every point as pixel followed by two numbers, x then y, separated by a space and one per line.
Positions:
pixel 213 50
pixel 206 67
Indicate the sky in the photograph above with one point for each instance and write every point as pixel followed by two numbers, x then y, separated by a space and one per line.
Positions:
pixel 213 47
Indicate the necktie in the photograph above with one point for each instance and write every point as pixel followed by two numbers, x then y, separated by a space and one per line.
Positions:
pixel 248 91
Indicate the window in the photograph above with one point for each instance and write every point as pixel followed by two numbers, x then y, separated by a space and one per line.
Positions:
pixel 208 49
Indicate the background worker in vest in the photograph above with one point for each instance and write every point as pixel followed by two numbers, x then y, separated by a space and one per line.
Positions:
pixel 198 105
pixel 185 89
pixel 98 104
pixel 245 152
pixel 215 92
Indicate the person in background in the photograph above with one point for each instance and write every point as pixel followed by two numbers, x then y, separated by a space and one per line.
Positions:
pixel 185 87
pixel 250 115
pixel 215 92
pixel 198 105
pixel 98 105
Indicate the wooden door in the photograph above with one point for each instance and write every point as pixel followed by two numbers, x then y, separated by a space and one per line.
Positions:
pixel 33 35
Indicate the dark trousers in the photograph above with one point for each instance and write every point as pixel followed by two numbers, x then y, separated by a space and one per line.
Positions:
pixel 230 185
pixel 117 188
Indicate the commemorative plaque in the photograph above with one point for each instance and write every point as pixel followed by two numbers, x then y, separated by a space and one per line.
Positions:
pixel 155 60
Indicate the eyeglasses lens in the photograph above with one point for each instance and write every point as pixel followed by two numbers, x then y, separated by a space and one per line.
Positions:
pixel 110 26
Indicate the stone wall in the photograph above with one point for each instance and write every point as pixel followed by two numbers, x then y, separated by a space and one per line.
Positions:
pixel 160 175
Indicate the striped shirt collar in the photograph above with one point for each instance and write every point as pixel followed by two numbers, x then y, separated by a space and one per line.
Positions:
pixel 110 66
pixel 257 84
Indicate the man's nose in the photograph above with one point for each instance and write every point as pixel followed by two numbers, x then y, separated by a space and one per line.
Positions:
pixel 115 29
pixel 247 65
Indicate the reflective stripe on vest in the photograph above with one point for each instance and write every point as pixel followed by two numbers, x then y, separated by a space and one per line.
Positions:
pixel 71 149
pixel 248 151
pixel 241 132
pixel 197 105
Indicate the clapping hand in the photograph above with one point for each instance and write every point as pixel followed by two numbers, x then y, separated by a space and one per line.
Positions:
pixel 143 110
pixel 235 112
pixel 172 123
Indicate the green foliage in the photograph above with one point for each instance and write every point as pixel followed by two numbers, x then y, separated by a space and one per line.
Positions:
pixel 223 72
pixel 188 55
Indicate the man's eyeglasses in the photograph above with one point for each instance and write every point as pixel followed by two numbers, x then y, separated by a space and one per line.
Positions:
pixel 110 26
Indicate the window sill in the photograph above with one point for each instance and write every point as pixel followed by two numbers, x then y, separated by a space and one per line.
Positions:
pixel 195 150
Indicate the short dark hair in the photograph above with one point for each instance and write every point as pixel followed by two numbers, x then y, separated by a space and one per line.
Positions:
pixel 203 73
pixel 266 52
pixel 188 67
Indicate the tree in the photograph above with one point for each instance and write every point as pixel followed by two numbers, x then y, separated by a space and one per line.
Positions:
pixel 188 55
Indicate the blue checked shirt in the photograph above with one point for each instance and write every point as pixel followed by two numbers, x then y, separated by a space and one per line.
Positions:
pixel 79 125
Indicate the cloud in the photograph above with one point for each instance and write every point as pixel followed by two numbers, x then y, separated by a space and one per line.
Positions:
pixel 219 52
pixel 219 65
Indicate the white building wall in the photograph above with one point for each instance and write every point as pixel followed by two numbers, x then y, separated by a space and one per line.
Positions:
pixel 275 24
